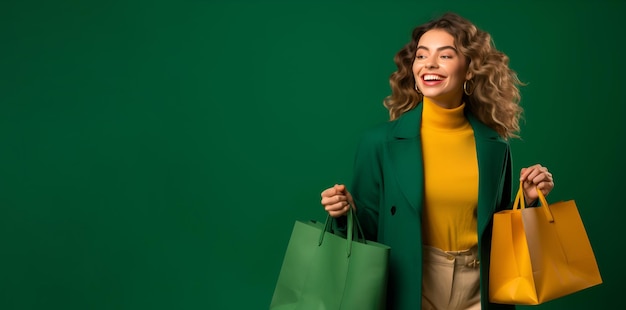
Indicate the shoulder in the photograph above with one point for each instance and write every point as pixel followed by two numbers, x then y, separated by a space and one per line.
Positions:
pixel 404 127
pixel 482 131
pixel 376 134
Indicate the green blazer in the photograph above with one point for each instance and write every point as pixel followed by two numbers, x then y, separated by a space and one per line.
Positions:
pixel 388 190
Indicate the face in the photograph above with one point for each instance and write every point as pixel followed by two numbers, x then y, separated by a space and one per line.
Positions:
pixel 440 69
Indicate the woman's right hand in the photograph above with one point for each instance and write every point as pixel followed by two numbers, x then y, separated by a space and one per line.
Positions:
pixel 336 200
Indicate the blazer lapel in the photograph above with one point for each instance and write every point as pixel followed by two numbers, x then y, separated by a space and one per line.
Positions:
pixel 491 153
pixel 405 152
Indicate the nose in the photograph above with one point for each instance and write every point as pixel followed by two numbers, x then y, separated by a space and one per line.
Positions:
pixel 431 63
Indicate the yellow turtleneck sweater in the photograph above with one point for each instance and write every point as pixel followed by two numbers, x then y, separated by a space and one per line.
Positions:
pixel 450 178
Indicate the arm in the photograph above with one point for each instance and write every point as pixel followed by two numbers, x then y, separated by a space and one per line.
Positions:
pixel 367 182
pixel 365 192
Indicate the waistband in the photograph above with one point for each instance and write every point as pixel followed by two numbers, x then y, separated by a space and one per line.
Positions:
pixel 468 257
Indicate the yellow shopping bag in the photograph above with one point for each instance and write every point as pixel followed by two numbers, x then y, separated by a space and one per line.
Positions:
pixel 539 254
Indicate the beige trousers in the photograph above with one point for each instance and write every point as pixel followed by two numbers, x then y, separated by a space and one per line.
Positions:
pixel 451 279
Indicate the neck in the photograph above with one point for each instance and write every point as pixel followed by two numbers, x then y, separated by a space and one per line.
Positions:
pixel 447 102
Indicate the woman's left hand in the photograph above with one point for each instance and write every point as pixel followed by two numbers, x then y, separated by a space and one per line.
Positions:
pixel 533 178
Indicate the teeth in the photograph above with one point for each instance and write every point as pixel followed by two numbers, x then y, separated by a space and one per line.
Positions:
pixel 432 77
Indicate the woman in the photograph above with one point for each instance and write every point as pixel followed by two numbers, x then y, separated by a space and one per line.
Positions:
pixel 428 182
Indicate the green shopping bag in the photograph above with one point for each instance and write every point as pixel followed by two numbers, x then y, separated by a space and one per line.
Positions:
pixel 324 270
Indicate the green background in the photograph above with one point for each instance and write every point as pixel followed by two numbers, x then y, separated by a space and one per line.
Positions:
pixel 155 155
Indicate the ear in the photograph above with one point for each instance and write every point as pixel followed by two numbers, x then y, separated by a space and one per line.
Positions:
pixel 469 75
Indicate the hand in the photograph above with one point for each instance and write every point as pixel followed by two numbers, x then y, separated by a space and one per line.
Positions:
pixel 533 178
pixel 336 200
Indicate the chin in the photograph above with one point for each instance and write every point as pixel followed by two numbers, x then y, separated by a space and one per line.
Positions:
pixel 431 95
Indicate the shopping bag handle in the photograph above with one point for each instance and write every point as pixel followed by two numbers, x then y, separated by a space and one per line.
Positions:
pixel 520 204
pixel 353 230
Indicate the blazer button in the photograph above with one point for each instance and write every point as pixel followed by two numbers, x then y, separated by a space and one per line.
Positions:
pixel 393 210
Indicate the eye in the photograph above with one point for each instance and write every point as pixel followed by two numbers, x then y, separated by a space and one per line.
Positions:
pixel 420 57
pixel 446 56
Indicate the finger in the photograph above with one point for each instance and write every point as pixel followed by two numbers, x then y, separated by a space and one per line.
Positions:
pixel 530 179
pixel 340 188
pixel 529 173
pixel 337 213
pixel 542 177
pixel 539 174
pixel 343 205
pixel 341 199
pixel 545 187
pixel 337 199
pixel 332 200
pixel 334 190
pixel 328 192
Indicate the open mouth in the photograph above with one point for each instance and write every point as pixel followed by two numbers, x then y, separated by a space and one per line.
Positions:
pixel 432 77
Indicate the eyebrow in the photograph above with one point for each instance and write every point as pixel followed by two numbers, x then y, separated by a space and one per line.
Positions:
pixel 439 49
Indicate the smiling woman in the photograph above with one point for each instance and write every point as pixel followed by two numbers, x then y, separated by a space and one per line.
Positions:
pixel 428 182
pixel 490 85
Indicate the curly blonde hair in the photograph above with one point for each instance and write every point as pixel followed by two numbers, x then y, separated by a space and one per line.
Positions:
pixel 495 97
